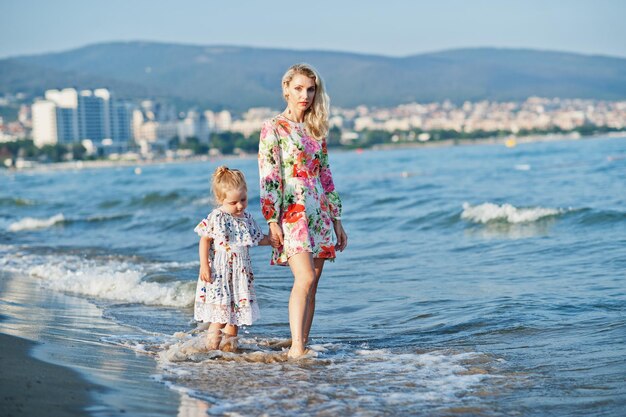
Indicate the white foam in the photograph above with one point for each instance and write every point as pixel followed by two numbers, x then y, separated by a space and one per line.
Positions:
pixel 31 223
pixel 376 380
pixel 488 212
pixel 108 279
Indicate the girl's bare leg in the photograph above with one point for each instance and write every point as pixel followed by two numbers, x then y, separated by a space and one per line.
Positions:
pixel 229 339
pixel 303 271
pixel 214 336
pixel 318 263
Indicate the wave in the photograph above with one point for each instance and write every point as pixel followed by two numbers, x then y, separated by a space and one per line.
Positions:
pixel 384 381
pixel 15 201
pixel 507 213
pixel 590 217
pixel 31 223
pixel 156 198
pixel 106 279
pixel 104 218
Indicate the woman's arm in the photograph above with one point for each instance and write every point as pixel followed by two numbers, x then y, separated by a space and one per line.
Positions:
pixel 334 202
pixel 270 173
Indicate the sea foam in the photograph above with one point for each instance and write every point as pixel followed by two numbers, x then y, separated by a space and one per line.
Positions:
pixel 374 381
pixel 489 212
pixel 30 223
pixel 107 279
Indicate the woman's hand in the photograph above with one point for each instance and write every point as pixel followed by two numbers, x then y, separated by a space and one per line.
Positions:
pixel 342 237
pixel 276 235
pixel 205 273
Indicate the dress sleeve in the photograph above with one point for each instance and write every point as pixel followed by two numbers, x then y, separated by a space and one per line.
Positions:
pixel 211 226
pixel 256 234
pixel 270 173
pixel 205 228
pixel 334 202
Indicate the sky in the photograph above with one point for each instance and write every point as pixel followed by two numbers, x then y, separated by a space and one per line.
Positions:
pixel 392 28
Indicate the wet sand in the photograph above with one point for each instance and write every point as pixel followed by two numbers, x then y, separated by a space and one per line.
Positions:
pixel 30 387
pixel 61 363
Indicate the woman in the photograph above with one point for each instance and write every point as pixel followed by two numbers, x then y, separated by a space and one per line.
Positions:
pixel 298 197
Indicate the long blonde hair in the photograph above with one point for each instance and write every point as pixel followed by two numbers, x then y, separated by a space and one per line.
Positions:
pixel 226 179
pixel 316 116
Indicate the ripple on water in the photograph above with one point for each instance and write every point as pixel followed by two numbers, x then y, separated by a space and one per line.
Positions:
pixel 333 379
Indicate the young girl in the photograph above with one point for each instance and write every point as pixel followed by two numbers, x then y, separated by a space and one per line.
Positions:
pixel 225 294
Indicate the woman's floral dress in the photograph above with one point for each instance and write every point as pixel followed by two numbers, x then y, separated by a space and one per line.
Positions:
pixel 230 298
pixel 297 190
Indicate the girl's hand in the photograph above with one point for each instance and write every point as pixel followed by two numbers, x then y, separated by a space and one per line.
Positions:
pixel 276 235
pixel 342 237
pixel 205 273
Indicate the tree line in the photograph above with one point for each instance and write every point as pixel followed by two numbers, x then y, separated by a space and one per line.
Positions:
pixel 228 143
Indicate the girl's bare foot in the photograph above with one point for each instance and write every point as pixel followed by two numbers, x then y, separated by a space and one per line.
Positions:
pixel 213 340
pixel 229 343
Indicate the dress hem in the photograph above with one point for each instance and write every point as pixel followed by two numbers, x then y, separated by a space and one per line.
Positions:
pixel 286 263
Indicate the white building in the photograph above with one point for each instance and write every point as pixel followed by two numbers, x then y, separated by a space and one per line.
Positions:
pixel 69 116
pixel 44 123
pixel 193 125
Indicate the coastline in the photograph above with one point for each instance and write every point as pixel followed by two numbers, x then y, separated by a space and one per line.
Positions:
pixel 30 386
pixel 66 348
pixel 137 164
pixel 496 141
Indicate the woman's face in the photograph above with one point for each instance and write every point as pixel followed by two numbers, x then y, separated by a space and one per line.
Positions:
pixel 300 92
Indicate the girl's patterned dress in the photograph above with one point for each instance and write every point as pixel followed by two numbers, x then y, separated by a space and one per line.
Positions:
pixel 297 189
pixel 230 298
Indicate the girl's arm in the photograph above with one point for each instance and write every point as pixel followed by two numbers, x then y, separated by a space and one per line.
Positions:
pixel 203 252
pixel 265 241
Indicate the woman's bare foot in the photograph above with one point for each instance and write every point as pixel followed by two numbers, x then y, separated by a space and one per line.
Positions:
pixel 296 352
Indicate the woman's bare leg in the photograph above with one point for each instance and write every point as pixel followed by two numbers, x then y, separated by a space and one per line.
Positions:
pixel 318 263
pixel 303 271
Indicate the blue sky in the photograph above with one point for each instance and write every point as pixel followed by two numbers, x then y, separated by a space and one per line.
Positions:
pixel 395 28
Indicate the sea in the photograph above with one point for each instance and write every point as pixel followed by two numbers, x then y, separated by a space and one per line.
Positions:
pixel 478 280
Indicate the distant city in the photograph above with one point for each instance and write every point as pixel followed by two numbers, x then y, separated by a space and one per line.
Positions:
pixel 95 124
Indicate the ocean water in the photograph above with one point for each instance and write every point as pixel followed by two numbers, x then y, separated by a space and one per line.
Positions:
pixel 478 280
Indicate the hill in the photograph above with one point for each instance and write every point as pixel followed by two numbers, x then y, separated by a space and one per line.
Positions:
pixel 241 77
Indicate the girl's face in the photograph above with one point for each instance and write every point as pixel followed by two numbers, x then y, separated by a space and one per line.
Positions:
pixel 235 202
pixel 300 92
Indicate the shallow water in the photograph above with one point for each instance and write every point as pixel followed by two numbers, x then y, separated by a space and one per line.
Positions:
pixel 478 281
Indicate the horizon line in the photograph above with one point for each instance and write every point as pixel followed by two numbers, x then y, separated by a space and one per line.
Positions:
pixel 330 51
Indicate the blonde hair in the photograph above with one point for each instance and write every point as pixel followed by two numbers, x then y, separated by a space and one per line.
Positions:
pixel 316 116
pixel 226 179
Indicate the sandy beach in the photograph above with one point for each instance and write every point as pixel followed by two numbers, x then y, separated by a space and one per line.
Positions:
pixel 54 363
pixel 30 386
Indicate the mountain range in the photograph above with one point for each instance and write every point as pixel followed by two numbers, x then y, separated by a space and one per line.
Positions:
pixel 237 78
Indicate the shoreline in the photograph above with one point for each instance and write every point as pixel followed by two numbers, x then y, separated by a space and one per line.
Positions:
pixel 446 143
pixel 30 386
pixel 79 372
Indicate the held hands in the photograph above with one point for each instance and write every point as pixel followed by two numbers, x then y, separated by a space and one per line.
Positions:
pixel 342 237
pixel 205 273
pixel 276 235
